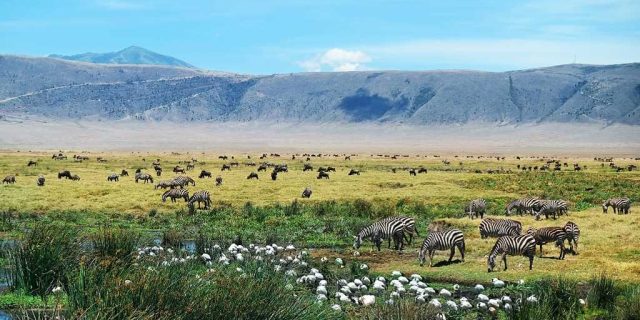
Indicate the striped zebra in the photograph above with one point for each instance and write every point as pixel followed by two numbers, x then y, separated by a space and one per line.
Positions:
pixel 549 207
pixel 512 245
pixel 524 205
pixel 175 194
pixel 476 207
pixel 562 207
pixel 447 240
pixel 409 228
pixel 144 177
pixel 166 184
pixel 549 234
pixel 490 227
pixel 184 181
pixel 200 196
pixel 619 205
pixel 383 229
pixel 573 235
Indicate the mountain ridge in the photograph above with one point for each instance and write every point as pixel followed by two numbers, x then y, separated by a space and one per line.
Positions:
pixel 129 55
pixel 61 89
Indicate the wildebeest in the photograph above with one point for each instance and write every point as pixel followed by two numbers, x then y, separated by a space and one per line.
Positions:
pixel 412 172
pixel 218 180
pixel 124 173
pixel 225 167
pixel 281 168
pixel 113 177
pixel 323 175
pixel 204 174
pixel 252 175
pixel 64 173
pixel 354 172
pixel 190 166
pixel 307 167
pixel 75 177
pixel 31 163
pixel 9 179
pixel 274 175
pixel 40 181
pixel 178 169
pixel 262 167
pixel 306 193
pixel 422 170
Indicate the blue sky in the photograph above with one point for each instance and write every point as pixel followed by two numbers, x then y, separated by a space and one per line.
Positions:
pixel 263 37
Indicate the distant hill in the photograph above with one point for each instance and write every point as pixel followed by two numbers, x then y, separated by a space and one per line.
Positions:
pixel 130 55
pixel 57 89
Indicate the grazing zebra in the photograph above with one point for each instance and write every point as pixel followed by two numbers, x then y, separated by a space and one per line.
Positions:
pixel 184 181
pixel 549 234
pixel 113 177
pixel 387 228
pixel 144 176
pixel 447 240
pixel 75 177
pixel 218 181
pixel 204 174
pixel 200 196
pixel 9 179
pixel 476 207
pixel 619 205
pixel 354 172
pixel 64 173
pixel 40 181
pixel 158 171
pixel 499 227
pixel 409 228
pixel 252 175
pixel 512 245
pixel 323 175
pixel 562 207
pixel 524 205
pixel 573 235
pixel 166 184
pixel 124 173
pixel 548 207
pixel 175 194
pixel 306 193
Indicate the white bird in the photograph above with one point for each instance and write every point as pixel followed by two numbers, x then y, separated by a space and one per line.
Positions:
pixel 319 276
pixel 290 247
pixel 521 281
pixel 465 304
pixel 456 287
pixel 339 261
pixel 481 305
pixel 322 283
pixel 366 280
pixel 445 293
pixel 378 285
pixel 492 310
pixel 364 266
pixel 356 253
pixel 452 305
pixel 421 298
pixel 430 290
pixel 401 290
pixel 394 295
pixel 416 276
pixel 382 279
pixel 582 302
pixel 336 307
pixel 357 282
pixel 352 286
pixel 344 298
pixel 390 302
pixel 367 300
pixel 342 282
pixel 321 297
pixel 403 280
pixel 396 273
pixel 435 303
pixel 507 307
pixel 323 259
pixel 321 290
pixel 532 299
pixel 290 273
pixel 494 303
pixel 479 288
pixel 506 299
pixel 483 298
pixel 497 283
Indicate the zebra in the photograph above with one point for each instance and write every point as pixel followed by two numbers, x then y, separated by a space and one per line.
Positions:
pixel 252 175
pixel 113 177
pixel 619 205
pixel 218 181
pixel 9 179
pixel 562 207
pixel 40 181
pixel 387 228
pixel 512 245
pixel 174 194
pixel 476 207
pixel 158 170
pixel 528 205
pixel 144 176
pixel 200 196
pixel 549 234
pixel 499 227
pixel 306 193
pixel 573 235
pixel 490 227
pixel 446 240
pixel 184 181
pixel 409 227
pixel 548 207
pixel 166 184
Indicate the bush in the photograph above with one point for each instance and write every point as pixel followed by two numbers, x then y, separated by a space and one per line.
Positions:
pixel 117 243
pixel 603 292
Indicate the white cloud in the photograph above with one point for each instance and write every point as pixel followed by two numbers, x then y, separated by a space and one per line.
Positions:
pixel 336 59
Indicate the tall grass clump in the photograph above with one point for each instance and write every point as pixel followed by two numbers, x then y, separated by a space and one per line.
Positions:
pixel 628 304
pixel 400 310
pixel 117 243
pixel 557 299
pixel 603 292
pixel 41 259
pixel 188 291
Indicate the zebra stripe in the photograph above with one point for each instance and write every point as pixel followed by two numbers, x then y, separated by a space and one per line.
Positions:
pixel 549 234
pixel 184 181
pixel 476 207
pixel 512 245
pixel 200 196
pixel 573 235
pixel 528 205
pixel 619 205
pixel 555 207
pixel 499 227
pixel 384 229
pixel 175 194
pixel 447 240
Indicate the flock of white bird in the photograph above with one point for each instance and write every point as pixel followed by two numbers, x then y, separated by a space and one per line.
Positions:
pixel 364 291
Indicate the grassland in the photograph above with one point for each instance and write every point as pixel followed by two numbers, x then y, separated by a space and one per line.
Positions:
pixel 266 210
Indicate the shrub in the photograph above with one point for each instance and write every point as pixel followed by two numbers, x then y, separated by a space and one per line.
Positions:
pixel 117 243
pixel 603 292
